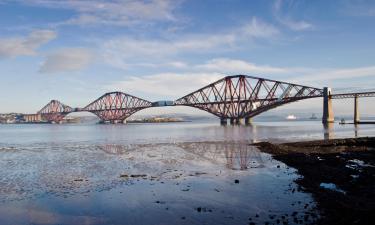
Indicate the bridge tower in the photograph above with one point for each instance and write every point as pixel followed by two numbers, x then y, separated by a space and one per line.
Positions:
pixel 327 106
pixel 356 110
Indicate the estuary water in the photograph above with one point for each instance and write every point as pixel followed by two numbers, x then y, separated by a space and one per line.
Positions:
pixel 172 173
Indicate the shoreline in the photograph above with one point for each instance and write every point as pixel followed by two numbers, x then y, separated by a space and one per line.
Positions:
pixel 339 173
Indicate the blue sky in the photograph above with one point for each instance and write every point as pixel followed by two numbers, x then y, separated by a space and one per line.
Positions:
pixel 74 51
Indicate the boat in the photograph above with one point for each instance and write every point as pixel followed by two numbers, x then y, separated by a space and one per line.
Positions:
pixel 291 117
pixel 342 121
pixel 313 117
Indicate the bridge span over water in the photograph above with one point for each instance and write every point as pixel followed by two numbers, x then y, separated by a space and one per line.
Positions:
pixel 235 98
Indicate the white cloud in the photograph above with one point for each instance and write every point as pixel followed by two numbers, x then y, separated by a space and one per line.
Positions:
pixel 115 12
pixel 66 60
pixel 359 8
pixel 18 46
pixel 124 52
pixel 285 18
pixel 126 48
pixel 258 29
pixel 226 65
pixel 172 85
pixel 324 75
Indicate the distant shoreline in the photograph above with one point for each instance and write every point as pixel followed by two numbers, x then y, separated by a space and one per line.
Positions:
pixel 184 121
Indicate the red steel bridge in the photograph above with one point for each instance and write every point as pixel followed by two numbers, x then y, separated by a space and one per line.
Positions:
pixel 233 98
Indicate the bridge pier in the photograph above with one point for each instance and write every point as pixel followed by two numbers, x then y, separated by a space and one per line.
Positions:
pixel 248 120
pixel 223 121
pixel 328 131
pixel 356 110
pixel 241 121
pixel 236 121
pixel 327 106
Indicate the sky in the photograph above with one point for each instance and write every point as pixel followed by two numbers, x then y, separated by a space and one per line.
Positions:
pixel 76 50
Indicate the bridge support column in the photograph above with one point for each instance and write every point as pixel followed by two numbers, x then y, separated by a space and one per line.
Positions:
pixel 248 120
pixel 328 131
pixel 327 106
pixel 241 121
pixel 223 121
pixel 356 110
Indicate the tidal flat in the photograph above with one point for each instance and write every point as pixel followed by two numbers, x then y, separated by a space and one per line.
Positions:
pixel 182 183
pixel 182 173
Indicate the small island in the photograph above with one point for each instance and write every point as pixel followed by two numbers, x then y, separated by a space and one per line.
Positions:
pixel 156 120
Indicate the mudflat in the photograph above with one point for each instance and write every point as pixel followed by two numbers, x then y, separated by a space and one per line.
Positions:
pixel 340 173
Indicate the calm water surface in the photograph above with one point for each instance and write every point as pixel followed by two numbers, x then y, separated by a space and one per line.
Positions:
pixel 177 173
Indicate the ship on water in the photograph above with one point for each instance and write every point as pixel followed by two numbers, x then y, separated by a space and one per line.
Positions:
pixel 291 117
pixel 313 117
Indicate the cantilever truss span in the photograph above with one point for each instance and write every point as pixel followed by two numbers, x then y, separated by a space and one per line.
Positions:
pixel 244 96
pixel 116 106
pixel 232 97
pixel 55 111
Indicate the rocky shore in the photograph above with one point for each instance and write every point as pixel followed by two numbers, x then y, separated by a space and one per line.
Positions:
pixel 340 174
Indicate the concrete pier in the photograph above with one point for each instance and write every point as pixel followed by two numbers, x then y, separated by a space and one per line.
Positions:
pixel 356 110
pixel 327 106
pixel 248 120
pixel 241 121
pixel 223 121
pixel 32 118
pixel 328 131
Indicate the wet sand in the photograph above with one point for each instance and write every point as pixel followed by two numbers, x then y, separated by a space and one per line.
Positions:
pixel 171 183
pixel 339 173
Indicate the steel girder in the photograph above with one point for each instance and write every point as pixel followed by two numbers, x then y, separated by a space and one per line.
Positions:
pixel 116 106
pixel 242 96
pixel 234 97
pixel 55 111
pixel 353 95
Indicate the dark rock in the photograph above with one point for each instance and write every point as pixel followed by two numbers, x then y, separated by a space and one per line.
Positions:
pixel 138 175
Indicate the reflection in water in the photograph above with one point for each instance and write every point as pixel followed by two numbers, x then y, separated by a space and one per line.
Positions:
pixel 114 149
pixel 237 156
pixel 254 132
pixel 74 173
pixel 356 128
pixel 328 131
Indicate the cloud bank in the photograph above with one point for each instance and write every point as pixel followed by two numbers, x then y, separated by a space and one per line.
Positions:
pixel 66 60
pixel 25 46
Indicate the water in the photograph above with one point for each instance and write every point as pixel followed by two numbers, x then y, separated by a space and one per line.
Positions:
pixel 177 173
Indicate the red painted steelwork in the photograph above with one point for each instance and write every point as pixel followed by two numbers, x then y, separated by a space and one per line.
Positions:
pixel 116 106
pixel 233 97
pixel 244 96
pixel 55 111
